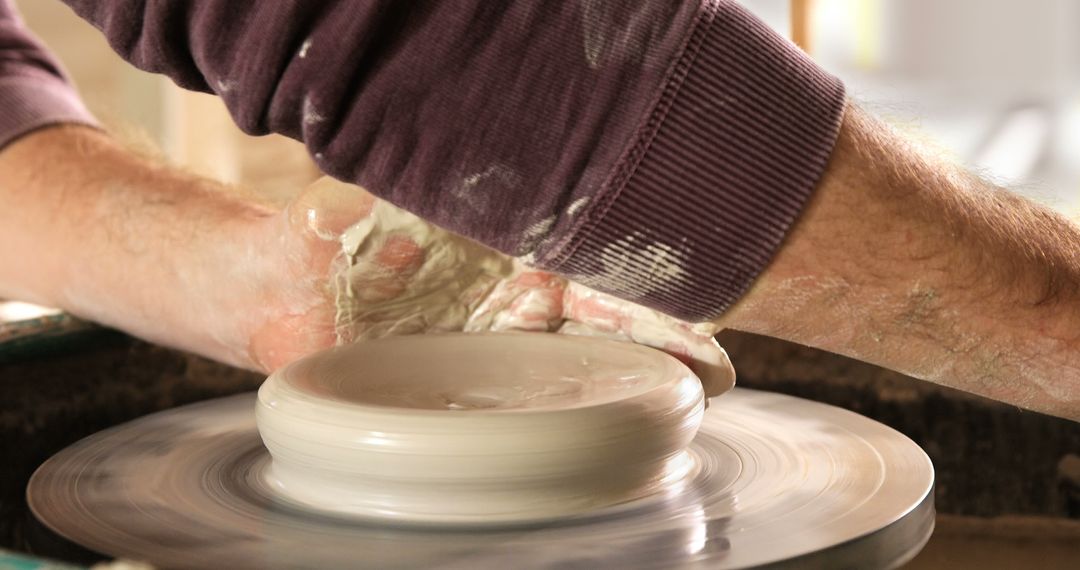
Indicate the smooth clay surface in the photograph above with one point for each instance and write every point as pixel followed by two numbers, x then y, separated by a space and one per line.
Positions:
pixel 478 428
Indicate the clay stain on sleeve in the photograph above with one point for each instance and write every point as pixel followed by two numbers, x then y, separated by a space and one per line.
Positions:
pixel 638 266
pixel 225 85
pixel 605 38
pixel 475 187
pixel 311 115
pixel 576 206
pixel 536 233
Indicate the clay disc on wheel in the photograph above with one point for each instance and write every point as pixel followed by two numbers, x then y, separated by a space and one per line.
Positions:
pixel 781 481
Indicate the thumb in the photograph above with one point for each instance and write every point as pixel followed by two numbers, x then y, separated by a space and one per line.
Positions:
pixel 327 207
pixel 592 313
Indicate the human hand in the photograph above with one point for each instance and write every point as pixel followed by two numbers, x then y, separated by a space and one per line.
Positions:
pixel 346 267
pixel 121 239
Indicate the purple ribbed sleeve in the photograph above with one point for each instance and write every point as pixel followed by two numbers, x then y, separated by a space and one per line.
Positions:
pixel 716 175
pixel 34 92
pixel 655 150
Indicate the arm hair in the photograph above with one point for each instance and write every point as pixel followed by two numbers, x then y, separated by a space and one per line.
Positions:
pixel 907 261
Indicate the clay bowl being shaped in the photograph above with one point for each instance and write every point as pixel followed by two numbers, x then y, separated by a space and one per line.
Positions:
pixel 478 428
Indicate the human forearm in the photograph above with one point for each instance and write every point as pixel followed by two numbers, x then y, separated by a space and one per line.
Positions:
pixel 905 260
pixel 122 239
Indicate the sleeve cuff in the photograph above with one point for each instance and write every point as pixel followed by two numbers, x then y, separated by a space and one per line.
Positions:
pixel 720 170
pixel 29 103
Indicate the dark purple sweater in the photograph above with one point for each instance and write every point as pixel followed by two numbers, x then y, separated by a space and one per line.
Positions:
pixel 658 150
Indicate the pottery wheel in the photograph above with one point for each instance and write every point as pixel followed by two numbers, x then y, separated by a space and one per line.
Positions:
pixel 782 481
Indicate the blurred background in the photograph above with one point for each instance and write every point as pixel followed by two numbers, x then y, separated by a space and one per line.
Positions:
pixel 996 85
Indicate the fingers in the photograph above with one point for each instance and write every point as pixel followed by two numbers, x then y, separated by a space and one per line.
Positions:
pixel 327 207
pixel 529 301
pixel 603 313
pixel 387 273
pixel 283 340
pixel 598 314
pixel 310 229
pixel 392 272
pixel 349 267
pixel 576 328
